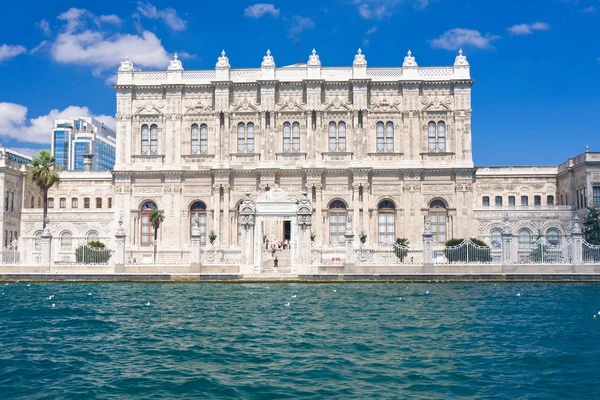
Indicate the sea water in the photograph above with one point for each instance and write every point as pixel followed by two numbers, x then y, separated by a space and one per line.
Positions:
pixel 273 341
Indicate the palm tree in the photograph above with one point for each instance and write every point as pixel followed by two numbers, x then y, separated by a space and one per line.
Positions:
pixel 43 175
pixel 156 218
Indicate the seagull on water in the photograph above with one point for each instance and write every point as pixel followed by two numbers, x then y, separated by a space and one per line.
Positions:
pixel 427 292
pixel 334 290
pixel 399 298
pixel 594 314
pixel 294 296
pixel 53 305
pixel 148 303
pixel 287 304
pixel 90 293
pixel 518 294
pixel 29 284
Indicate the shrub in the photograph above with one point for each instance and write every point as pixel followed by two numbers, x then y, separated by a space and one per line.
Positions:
pixel 93 252
pixel 475 250
pixel 401 248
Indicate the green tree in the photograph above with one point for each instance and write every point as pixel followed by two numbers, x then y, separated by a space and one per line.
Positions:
pixel 43 175
pixel 592 226
pixel 401 248
pixel 474 250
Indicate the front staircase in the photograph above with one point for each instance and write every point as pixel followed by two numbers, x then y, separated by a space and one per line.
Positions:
pixel 283 258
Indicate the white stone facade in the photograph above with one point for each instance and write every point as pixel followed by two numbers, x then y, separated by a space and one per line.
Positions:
pixel 386 146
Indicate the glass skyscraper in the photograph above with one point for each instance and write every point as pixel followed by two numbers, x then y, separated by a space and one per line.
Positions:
pixel 73 138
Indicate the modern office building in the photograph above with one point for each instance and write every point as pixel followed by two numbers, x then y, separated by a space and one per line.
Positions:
pixel 73 138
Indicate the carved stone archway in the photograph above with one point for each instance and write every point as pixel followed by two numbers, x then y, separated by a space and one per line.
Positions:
pixel 275 203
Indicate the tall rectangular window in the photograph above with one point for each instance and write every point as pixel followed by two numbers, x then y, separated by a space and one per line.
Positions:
pixel 498 201
pixel 110 202
pixel 98 202
pixel 74 202
pixel 12 201
pixel 596 196
pixel 485 201
pixel 63 202
pixel 537 200
pixel 50 202
pixel 6 201
pixel 86 202
pixel 550 200
pixel 524 200
pixel 511 201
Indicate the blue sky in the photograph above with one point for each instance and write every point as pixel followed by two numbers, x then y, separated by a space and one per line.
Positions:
pixel 536 63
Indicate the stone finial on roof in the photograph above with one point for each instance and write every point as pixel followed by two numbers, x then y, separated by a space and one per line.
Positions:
pixel 409 60
pixel 576 227
pixel 268 60
pixel 313 59
pixel 587 148
pixel 126 66
pixel 461 59
pixel 175 64
pixel 359 59
pixel 223 61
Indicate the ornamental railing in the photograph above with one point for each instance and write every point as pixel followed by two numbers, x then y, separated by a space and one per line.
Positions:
pixel 389 254
pixel 466 252
pixel 543 252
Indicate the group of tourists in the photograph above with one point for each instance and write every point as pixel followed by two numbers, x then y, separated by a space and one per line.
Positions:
pixel 277 245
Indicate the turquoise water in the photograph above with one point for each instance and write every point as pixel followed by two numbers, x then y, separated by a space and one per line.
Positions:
pixel 332 341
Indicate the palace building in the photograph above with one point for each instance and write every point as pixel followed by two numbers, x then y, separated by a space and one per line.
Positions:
pixel 379 151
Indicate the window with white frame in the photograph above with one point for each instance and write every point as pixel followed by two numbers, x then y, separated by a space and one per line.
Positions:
pixel 337 136
pixel 496 238
pixel 337 222
pixel 195 139
pixel 150 139
pixel 385 137
pixel 92 236
pixel 524 238
pixel 437 219
pixel 436 136
pixel 511 201
pixel 498 201
pixel 66 241
pixel 553 236
pixel 246 137
pixel 291 137
pixel 386 222
pixel 198 213
pixel 485 201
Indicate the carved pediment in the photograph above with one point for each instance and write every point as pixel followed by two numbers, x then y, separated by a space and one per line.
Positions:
pixel 149 108
pixel 198 107
pixel 337 104
pixel 383 104
pixel 244 106
pixel 436 103
pixel 290 105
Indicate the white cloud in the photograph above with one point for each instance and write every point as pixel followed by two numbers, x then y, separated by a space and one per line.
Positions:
pixel 460 37
pixel 589 10
pixel 368 33
pixel 370 12
pixel 28 151
pixel 15 124
pixel 260 10
pixel 421 4
pixel 40 46
pixel 110 19
pixel 299 24
pixel 45 27
pixel 528 29
pixel 7 51
pixel 168 16
pixel 80 45
pixel 371 31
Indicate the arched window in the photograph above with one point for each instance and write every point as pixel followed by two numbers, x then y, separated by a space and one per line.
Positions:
pixel 436 136
pixel 437 218
pixel 496 238
pixel 195 139
pixel 389 137
pixel 380 138
pixel 145 139
pixel 441 136
pixel 198 212
pixel 332 136
pixel 66 241
pixel 250 138
pixel 153 139
pixel 37 241
pixel 524 239
pixel 287 137
pixel 553 236
pixel 296 137
pixel 387 217
pixel 203 139
pixel 498 201
pixel 146 231
pixel 241 137
pixel 92 236
pixel 337 222
pixel 337 136
pixel 485 201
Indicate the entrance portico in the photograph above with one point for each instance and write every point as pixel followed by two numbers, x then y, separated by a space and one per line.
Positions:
pixel 275 211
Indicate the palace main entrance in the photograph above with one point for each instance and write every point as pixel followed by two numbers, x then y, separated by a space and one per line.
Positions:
pixel 275 220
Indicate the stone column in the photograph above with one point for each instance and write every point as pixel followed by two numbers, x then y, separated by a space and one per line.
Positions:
pixel 196 249
pixel 46 246
pixel 355 204
pixel 428 248
pixel 508 253
pixel 320 230
pixel 119 256
pixel 227 223
pixel 577 244
pixel 304 227
pixel 246 224
pixel 217 210
pixel 349 236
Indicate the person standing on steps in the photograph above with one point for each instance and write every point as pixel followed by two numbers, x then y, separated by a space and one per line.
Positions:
pixel 275 264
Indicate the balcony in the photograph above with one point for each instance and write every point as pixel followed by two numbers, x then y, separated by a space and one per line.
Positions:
pixel 337 155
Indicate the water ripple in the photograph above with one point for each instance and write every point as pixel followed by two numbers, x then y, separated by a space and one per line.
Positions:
pixel 241 341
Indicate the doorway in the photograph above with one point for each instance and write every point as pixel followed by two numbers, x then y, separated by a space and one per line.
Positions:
pixel 287 230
